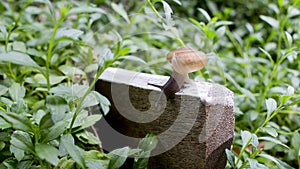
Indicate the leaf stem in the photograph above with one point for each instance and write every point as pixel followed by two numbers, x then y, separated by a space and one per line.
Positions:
pixel 240 50
pixel 266 89
pixel 50 49
pixel 256 132
pixel 79 108
pixel 160 17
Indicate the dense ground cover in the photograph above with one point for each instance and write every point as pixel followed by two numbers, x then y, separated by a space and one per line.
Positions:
pixel 50 50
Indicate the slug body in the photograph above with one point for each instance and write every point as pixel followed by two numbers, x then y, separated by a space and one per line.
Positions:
pixel 184 61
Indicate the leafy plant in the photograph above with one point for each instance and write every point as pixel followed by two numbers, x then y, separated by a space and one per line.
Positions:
pixel 46 98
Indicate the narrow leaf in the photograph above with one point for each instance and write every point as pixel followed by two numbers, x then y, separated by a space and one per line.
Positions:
pixel 268 55
pixel 133 58
pixel 273 140
pixel 84 9
pixel 206 15
pixel 168 10
pixel 271 21
pixel 230 157
pixel 289 38
pixel 18 121
pixel 18 58
pixel 120 10
pixel 278 162
pixel 69 33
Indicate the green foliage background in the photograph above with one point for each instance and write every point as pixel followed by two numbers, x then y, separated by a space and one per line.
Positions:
pixel 50 50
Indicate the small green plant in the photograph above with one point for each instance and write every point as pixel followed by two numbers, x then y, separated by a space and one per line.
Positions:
pixel 46 99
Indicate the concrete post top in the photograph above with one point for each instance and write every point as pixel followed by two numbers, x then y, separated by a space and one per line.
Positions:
pixel 208 92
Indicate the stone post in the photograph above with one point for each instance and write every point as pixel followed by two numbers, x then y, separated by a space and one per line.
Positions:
pixel 194 128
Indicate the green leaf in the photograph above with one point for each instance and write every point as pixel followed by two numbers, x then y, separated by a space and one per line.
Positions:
pixel 295 141
pixel 289 38
pixel 90 100
pixel 267 54
pixel 206 15
pixel 90 120
pixel 65 163
pixel 290 91
pixel 85 9
pixel 87 138
pixel 273 140
pixel 22 140
pixel 68 33
pixel 132 58
pixel 255 165
pixel 3 30
pixel 177 1
pixel 141 163
pixel 148 143
pixel 95 98
pixel 19 107
pixel 271 21
pixel 230 157
pixel 19 46
pixel 223 23
pixel 67 143
pixel 118 157
pixel 70 70
pixel 246 136
pixel 46 122
pixel 104 102
pixel 271 106
pixel 168 10
pixel 3 90
pixel 79 90
pixel 18 153
pixel 292 11
pixel 47 152
pixel 4 124
pixel 40 79
pixel 18 58
pixel 94 164
pixel 16 91
pixel 254 140
pixel 55 131
pixel 270 130
pixel 62 90
pixel 57 104
pixel 18 121
pixel 278 162
pixel 120 10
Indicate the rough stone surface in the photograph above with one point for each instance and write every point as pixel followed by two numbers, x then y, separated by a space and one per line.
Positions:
pixel 194 128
